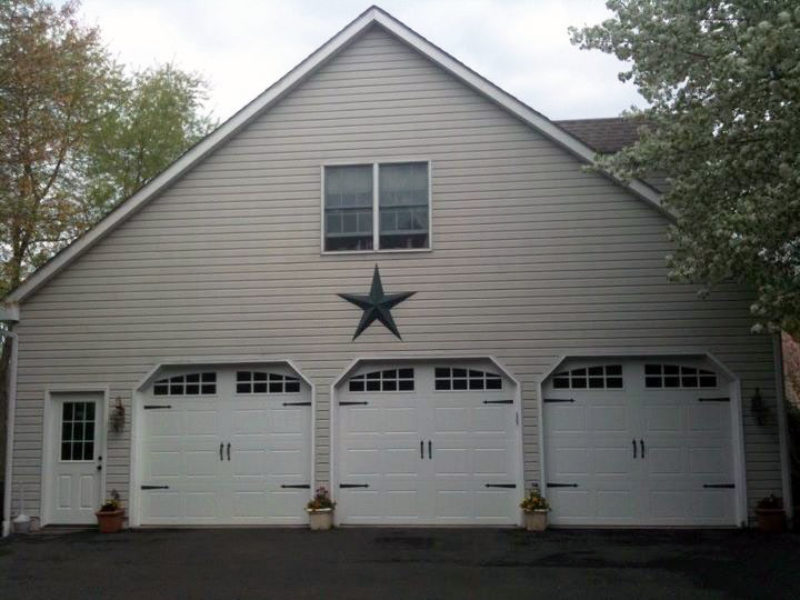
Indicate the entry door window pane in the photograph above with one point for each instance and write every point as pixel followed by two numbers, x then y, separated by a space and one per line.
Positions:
pixel 348 208
pixel 77 431
pixel 403 201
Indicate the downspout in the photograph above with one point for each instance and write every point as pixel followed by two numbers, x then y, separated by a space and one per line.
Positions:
pixel 11 398
pixel 783 429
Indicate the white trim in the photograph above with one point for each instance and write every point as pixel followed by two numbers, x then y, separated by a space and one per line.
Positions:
pixel 376 205
pixel 11 399
pixel 783 431
pixel 139 394
pixel 48 441
pixel 373 15
pixel 735 389
pixel 420 358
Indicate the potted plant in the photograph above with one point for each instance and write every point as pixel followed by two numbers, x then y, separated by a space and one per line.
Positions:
pixel 535 507
pixel 320 510
pixel 770 514
pixel 111 514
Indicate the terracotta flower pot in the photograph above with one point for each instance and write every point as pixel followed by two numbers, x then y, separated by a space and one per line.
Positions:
pixel 320 519
pixel 536 520
pixel 771 520
pixel 110 521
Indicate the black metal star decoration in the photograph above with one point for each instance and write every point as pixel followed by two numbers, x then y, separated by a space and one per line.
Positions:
pixel 377 306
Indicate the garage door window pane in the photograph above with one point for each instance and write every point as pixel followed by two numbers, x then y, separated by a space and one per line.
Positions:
pixel 186 385
pixel 673 376
pixel 596 377
pixel 389 380
pixel 448 379
pixel 263 382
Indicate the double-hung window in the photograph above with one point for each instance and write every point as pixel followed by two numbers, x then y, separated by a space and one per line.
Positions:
pixel 381 206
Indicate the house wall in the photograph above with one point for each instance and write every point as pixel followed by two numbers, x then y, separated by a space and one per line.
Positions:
pixel 533 259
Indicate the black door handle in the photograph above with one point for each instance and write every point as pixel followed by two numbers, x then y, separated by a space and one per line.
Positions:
pixel 229 451
pixel 421 450
pixel 99 467
pixel 641 442
pixel 430 449
pixel 220 450
pixel 634 448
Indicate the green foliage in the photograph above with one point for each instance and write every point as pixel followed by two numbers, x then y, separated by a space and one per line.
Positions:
pixel 77 134
pixel 52 81
pixel 534 501
pixel 156 116
pixel 723 82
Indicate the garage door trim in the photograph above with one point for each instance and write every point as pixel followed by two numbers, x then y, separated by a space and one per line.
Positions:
pixel 737 433
pixel 423 358
pixel 140 397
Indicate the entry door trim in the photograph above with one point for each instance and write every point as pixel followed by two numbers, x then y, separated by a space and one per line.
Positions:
pixel 48 444
pixel 423 358
pixel 734 384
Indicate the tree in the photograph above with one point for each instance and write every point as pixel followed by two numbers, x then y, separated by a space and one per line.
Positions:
pixel 53 76
pixel 77 135
pixel 156 117
pixel 722 78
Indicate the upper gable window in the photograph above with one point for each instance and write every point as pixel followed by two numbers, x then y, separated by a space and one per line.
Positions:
pixel 377 207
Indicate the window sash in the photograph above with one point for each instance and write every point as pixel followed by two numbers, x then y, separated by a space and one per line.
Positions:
pixel 376 207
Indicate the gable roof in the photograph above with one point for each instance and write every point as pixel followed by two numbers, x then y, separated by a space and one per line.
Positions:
pixel 604 136
pixel 372 16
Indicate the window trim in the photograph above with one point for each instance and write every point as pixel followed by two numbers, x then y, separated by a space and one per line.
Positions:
pixel 375 206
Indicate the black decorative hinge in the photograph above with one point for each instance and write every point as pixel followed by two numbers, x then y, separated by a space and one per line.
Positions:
pixel 562 485
pixel 498 402
pixel 155 487
pixel 719 486
pixel 297 403
pixel 345 486
pixel 157 406
pixel 721 399
pixel 296 486
pixel 353 403
pixel 509 486
pixel 553 400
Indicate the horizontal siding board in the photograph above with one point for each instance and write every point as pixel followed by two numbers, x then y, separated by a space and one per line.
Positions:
pixel 532 258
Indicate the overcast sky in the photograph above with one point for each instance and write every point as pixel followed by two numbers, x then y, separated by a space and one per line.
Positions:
pixel 243 46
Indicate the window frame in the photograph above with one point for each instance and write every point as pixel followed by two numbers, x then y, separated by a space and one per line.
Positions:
pixel 376 234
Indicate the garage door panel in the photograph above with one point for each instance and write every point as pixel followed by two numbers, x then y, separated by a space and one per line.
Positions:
pixel 465 444
pixel 707 418
pixel 269 446
pixel 681 445
pixel 608 419
pixel 566 419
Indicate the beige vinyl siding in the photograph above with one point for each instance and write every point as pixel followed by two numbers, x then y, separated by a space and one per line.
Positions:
pixel 532 259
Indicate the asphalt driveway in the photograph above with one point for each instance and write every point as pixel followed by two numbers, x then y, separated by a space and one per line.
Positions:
pixel 382 564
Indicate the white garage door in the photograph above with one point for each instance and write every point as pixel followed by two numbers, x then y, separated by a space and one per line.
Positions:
pixel 435 445
pixel 226 447
pixel 641 442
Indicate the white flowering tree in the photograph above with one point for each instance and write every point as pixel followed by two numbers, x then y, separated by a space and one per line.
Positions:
pixel 722 79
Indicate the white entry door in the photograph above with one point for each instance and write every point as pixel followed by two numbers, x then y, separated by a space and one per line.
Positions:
pixel 433 445
pixel 76 458
pixel 639 442
pixel 227 447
